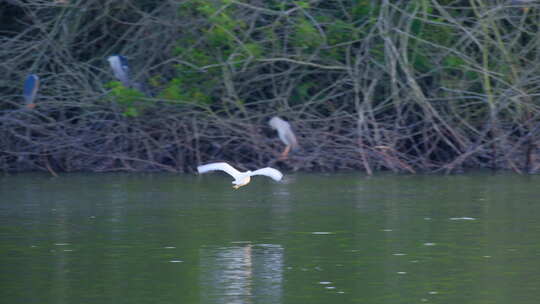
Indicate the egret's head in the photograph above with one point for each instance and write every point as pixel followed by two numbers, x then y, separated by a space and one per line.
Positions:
pixel 242 181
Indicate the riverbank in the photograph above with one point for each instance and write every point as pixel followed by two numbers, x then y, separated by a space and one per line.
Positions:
pixel 100 140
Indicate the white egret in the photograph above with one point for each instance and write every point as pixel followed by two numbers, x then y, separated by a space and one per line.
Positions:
pixel 240 178
pixel 285 134
pixel 30 88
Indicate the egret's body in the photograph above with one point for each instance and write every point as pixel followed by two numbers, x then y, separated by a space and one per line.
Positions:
pixel 31 86
pixel 285 134
pixel 240 178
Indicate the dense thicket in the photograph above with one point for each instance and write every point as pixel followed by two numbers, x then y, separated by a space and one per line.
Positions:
pixel 368 84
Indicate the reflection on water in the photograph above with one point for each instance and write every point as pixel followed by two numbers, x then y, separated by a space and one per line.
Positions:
pixel 315 238
pixel 241 274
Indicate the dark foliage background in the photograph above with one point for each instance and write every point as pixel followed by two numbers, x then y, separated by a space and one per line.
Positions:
pixel 425 85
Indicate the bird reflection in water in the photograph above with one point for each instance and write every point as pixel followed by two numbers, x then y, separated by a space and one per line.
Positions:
pixel 244 273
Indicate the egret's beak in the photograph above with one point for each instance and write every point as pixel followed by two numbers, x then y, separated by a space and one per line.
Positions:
pixel 239 185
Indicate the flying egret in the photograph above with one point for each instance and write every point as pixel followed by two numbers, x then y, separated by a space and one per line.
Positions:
pixel 120 68
pixel 30 88
pixel 285 134
pixel 240 178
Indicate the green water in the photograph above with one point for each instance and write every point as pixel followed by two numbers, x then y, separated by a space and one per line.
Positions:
pixel 314 238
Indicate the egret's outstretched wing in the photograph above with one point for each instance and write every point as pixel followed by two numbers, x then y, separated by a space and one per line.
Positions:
pixel 219 166
pixel 270 172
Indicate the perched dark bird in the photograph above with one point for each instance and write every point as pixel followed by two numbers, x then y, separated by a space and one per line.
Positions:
pixel 30 88
pixel 120 67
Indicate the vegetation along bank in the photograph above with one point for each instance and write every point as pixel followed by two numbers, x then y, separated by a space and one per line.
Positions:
pixel 368 85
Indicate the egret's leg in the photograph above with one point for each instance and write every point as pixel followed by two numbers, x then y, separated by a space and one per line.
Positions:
pixel 285 153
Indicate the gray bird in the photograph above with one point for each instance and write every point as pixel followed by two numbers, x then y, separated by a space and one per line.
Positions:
pixel 30 88
pixel 119 65
pixel 285 134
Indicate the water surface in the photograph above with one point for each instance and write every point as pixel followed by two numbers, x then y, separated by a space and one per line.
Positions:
pixel 314 238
